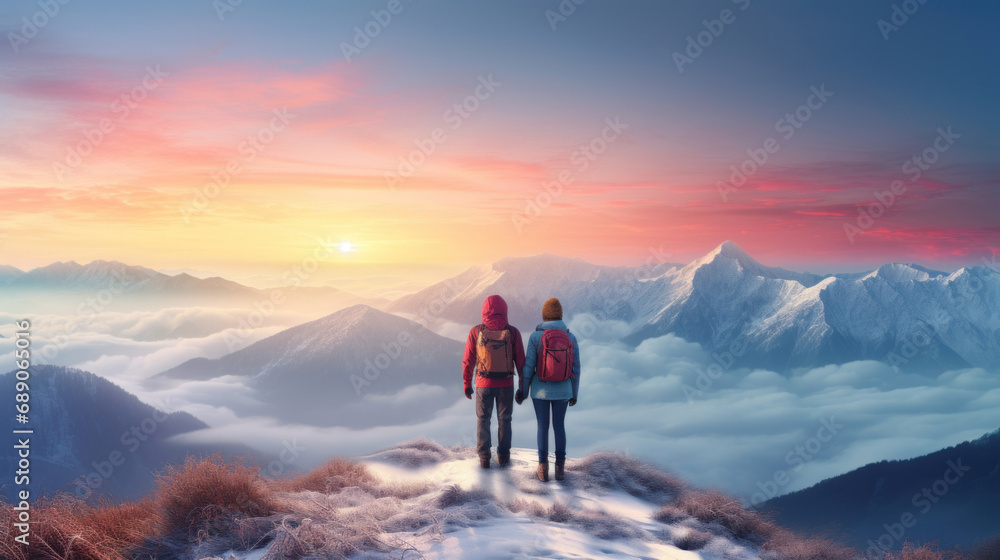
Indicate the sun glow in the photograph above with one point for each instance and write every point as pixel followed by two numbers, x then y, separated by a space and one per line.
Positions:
pixel 346 247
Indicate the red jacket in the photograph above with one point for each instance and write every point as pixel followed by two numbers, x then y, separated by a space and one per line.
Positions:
pixel 495 318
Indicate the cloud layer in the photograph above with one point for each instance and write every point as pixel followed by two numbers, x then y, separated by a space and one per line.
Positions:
pixel 668 401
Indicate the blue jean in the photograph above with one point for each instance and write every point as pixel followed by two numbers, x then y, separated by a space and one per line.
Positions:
pixel 557 410
pixel 503 397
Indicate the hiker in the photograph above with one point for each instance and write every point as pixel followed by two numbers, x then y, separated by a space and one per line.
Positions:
pixel 552 374
pixel 493 350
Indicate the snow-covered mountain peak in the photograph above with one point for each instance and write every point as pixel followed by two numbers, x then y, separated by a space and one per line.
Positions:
pixel 315 337
pixel 349 317
pixel 317 372
pixel 546 269
pixel 727 254
pixel 900 272
pixel 546 260
pixel 57 268
pixel 728 260
pixel 733 251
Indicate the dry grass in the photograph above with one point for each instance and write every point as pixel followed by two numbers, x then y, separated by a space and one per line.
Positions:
pixel 66 528
pixel 715 508
pixel 207 495
pixel 343 510
pixel 617 471
pixel 333 476
pixel 693 540
pixel 925 552
pixel 782 544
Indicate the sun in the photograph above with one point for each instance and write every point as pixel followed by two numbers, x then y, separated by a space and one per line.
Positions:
pixel 346 247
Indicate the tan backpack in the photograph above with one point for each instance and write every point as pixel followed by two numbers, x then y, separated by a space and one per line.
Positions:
pixel 494 353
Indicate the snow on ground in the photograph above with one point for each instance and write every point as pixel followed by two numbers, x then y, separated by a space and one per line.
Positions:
pixel 521 535
pixel 502 513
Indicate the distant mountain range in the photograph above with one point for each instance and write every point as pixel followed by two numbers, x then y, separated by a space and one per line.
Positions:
pixel 344 369
pixel 951 496
pixel 526 282
pixel 89 429
pixel 61 287
pixel 916 318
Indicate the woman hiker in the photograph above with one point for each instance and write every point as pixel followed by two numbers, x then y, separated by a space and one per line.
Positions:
pixel 552 375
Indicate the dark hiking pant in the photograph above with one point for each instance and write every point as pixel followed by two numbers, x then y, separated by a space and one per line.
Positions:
pixel 557 410
pixel 486 397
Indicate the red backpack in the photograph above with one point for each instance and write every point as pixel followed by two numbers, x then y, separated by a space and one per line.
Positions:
pixel 555 356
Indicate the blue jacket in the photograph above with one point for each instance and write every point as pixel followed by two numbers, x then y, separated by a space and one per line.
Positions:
pixel 545 390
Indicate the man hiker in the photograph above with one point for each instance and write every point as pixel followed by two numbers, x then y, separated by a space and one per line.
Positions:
pixel 493 350
pixel 552 373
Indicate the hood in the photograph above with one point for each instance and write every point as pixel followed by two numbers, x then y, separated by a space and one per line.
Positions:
pixel 495 313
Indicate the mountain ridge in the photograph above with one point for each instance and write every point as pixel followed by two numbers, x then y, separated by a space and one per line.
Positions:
pixel 99 439
pixel 785 319
pixel 859 502
pixel 321 372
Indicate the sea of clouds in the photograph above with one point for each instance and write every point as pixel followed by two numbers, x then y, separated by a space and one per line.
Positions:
pixel 699 413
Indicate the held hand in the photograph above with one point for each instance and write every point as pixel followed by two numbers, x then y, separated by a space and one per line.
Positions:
pixel 572 401
pixel 468 393
pixel 519 396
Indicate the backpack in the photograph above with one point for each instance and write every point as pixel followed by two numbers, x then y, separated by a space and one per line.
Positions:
pixel 555 356
pixel 494 353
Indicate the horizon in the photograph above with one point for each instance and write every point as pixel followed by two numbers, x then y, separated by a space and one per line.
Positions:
pixel 259 281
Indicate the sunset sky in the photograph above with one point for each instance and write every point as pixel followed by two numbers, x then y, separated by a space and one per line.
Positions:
pixel 315 118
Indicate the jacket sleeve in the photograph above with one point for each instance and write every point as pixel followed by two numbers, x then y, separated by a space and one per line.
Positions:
pixel 576 367
pixel 469 358
pixel 519 357
pixel 530 357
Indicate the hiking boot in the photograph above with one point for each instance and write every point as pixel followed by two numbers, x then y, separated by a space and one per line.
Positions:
pixel 560 469
pixel 503 460
pixel 484 462
pixel 543 472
